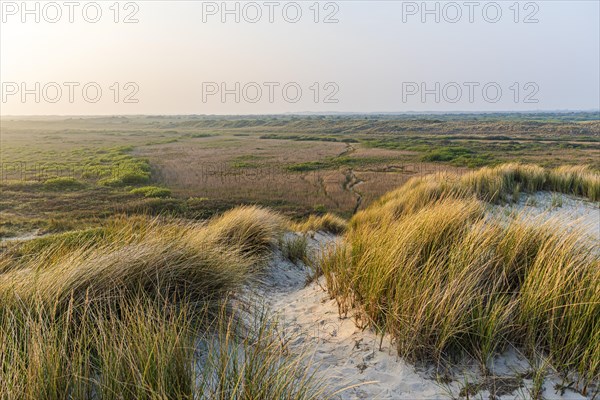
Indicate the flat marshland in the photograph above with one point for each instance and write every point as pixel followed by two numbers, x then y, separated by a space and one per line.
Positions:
pixel 160 257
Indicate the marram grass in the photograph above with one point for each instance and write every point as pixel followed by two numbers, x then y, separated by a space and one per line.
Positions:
pixel 447 280
pixel 125 311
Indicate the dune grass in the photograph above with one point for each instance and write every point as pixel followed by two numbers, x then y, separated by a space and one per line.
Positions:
pixel 255 364
pixel 502 182
pixel 254 230
pixel 499 184
pixel 579 180
pixel 123 311
pixel 328 222
pixel 295 248
pixel 447 280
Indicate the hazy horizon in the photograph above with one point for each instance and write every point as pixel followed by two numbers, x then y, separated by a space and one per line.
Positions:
pixel 186 58
pixel 317 113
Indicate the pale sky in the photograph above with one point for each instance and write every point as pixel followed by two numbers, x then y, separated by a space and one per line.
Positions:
pixel 378 57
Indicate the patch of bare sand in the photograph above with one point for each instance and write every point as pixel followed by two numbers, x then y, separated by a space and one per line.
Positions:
pixel 568 211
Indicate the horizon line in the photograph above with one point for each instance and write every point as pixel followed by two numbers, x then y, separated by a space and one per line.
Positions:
pixel 315 113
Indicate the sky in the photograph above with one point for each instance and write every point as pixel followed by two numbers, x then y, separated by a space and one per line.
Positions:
pixel 268 57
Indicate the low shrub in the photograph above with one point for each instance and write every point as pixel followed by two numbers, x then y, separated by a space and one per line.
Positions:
pixel 151 191
pixel 63 184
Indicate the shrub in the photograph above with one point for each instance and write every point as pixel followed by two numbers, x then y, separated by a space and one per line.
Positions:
pixel 151 191
pixel 128 171
pixel 126 179
pixel 447 154
pixel 63 184
pixel 320 208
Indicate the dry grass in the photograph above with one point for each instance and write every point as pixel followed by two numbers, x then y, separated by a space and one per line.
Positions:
pixel 325 223
pixel 579 180
pixel 254 230
pixel 498 184
pixel 428 265
pixel 122 312
pixel 139 255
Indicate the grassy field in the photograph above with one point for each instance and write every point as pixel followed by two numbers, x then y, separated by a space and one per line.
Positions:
pixel 195 167
pixel 137 236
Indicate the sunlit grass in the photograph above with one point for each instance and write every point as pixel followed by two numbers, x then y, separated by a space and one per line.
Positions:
pixel 447 280
pixel 128 311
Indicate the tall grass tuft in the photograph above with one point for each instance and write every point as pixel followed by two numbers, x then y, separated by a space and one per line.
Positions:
pixel 252 362
pixel 252 229
pixel 122 311
pixel 502 183
pixel 497 183
pixel 579 180
pixel 329 223
pixel 142 350
pixel 295 248
pixel 447 280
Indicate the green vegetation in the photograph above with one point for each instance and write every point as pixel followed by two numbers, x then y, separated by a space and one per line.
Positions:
pixel 128 171
pixel 224 159
pixel 63 184
pixel 134 289
pixel 428 265
pixel 109 167
pixel 151 191
pixel 309 138
pixel 295 248
pixel 247 161
pixel 460 156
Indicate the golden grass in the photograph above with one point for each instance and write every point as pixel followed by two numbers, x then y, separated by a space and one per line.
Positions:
pixel 502 183
pixel 447 280
pixel 579 180
pixel 329 223
pixel 138 255
pixel 253 229
pixel 121 311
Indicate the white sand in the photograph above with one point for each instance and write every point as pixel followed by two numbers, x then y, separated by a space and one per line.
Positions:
pixel 568 211
pixel 346 355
